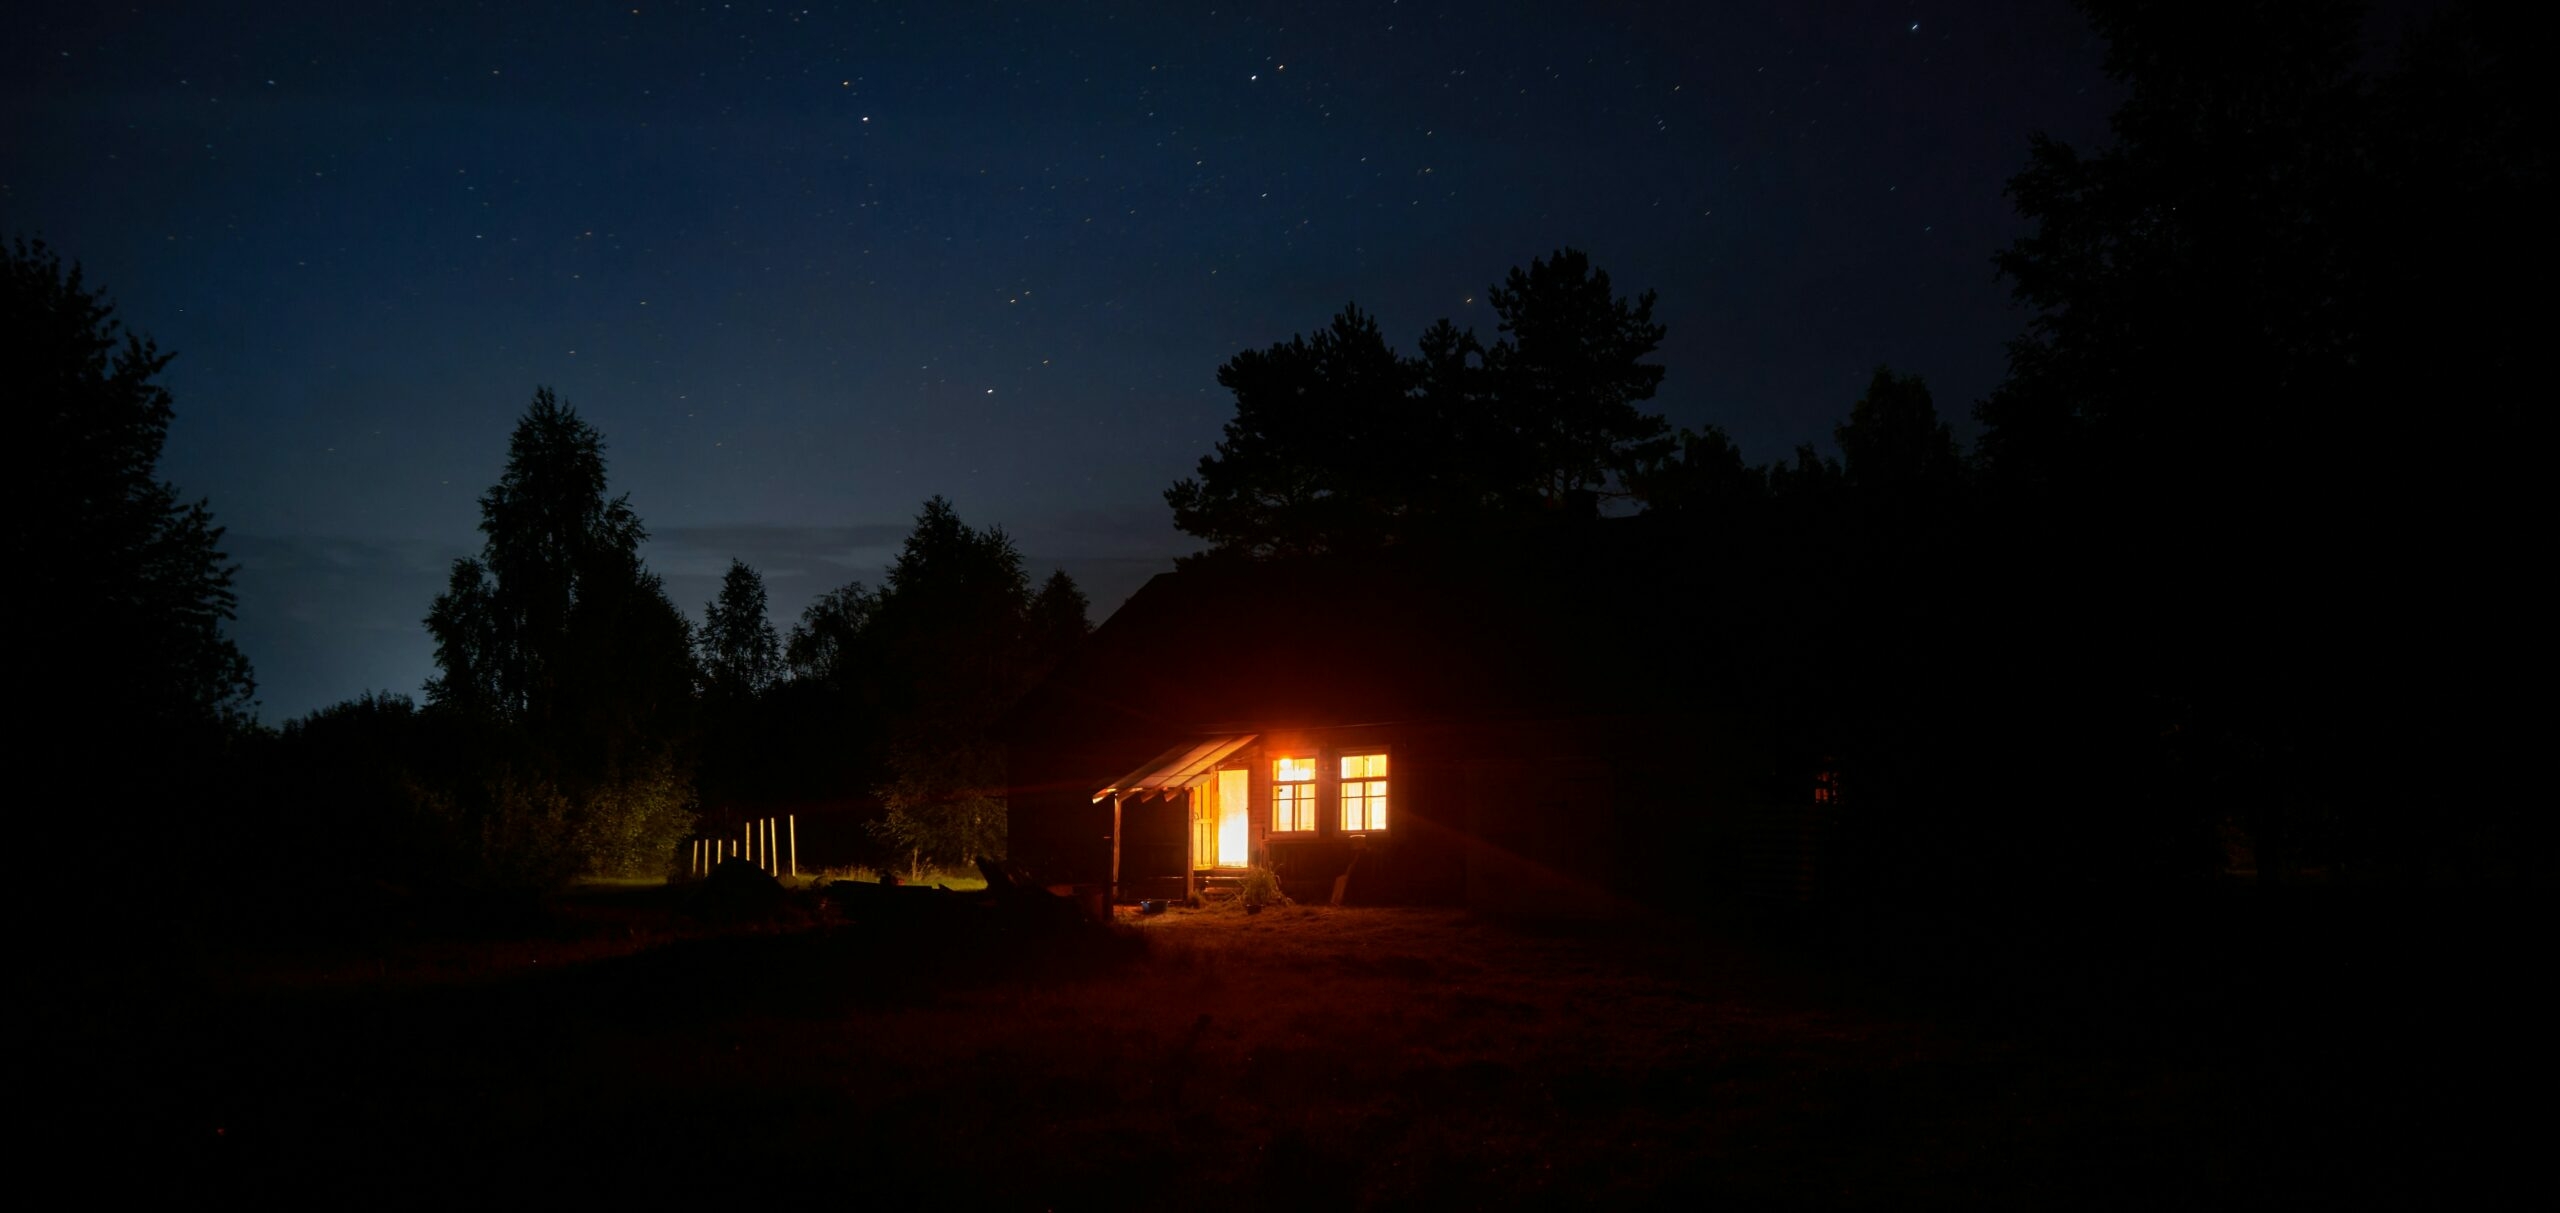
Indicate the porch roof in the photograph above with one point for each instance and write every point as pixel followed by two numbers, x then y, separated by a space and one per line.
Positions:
pixel 1181 767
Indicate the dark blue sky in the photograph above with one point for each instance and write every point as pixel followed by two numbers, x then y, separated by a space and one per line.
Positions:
pixel 807 267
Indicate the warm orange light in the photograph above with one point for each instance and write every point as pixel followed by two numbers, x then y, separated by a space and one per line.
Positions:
pixel 1293 795
pixel 1364 792
pixel 1232 851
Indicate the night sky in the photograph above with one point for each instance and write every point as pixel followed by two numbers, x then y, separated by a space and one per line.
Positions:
pixel 806 267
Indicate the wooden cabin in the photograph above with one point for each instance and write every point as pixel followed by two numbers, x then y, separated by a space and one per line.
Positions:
pixel 1519 726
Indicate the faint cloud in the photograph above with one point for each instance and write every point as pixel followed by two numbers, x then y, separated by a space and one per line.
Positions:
pixel 777 551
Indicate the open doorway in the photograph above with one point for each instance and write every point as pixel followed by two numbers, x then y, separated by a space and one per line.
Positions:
pixel 1219 813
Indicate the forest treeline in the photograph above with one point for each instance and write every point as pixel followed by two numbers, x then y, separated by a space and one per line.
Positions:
pixel 2240 541
pixel 2229 575
pixel 579 723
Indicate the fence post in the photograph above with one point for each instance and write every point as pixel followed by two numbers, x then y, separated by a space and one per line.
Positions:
pixel 792 820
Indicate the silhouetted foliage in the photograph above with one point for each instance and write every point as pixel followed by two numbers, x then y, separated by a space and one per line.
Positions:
pixel 1702 477
pixel 1564 380
pixel 1057 622
pixel 2194 474
pixel 1895 451
pixel 125 586
pixel 560 636
pixel 1318 451
pixel 825 643
pixel 950 623
pixel 959 638
pixel 121 591
pixel 740 653
pixel 1340 443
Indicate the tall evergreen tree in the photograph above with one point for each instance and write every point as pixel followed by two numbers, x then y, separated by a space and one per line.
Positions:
pixel 1057 620
pixel 741 655
pixel 1567 375
pixel 126 589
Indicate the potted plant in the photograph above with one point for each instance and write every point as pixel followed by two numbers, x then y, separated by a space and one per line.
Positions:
pixel 1259 888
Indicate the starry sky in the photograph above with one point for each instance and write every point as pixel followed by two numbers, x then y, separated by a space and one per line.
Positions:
pixel 805 267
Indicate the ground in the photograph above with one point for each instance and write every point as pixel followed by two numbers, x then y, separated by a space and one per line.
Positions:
pixel 1355 1056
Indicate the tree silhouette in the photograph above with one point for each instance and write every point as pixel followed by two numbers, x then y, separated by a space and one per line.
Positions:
pixel 1057 621
pixel 1701 476
pixel 1316 456
pixel 2238 305
pixel 126 589
pixel 1338 442
pixel 825 644
pixel 950 623
pixel 1894 449
pixel 953 640
pixel 1567 375
pixel 740 653
pixel 559 635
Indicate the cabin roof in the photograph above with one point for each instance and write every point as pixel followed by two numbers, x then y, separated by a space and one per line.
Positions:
pixel 1183 766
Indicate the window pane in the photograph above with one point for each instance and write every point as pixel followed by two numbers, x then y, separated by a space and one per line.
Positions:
pixel 1292 808
pixel 1293 770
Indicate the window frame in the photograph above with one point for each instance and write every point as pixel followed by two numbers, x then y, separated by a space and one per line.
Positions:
pixel 1305 802
pixel 1383 781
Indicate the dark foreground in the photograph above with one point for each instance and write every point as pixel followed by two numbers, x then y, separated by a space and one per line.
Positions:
pixel 1316 1057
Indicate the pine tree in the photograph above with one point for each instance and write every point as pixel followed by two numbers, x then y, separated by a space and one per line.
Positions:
pixel 126 588
pixel 741 655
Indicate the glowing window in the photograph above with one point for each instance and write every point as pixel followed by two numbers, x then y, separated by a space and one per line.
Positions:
pixel 1293 795
pixel 1364 792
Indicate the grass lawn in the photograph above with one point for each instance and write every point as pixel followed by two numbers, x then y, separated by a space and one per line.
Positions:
pixel 1304 1056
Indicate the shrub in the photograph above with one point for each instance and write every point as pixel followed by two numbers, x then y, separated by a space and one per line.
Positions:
pixel 1260 888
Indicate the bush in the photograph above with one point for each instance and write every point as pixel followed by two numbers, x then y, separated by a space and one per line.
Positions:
pixel 632 826
pixel 1260 888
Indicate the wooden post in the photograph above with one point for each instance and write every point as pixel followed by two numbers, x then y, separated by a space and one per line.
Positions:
pixel 1115 851
pixel 1192 804
pixel 771 866
pixel 792 820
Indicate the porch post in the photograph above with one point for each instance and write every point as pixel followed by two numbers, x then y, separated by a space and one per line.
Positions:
pixel 1115 848
pixel 1190 842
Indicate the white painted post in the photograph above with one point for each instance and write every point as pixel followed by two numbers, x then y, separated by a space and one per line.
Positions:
pixel 792 821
